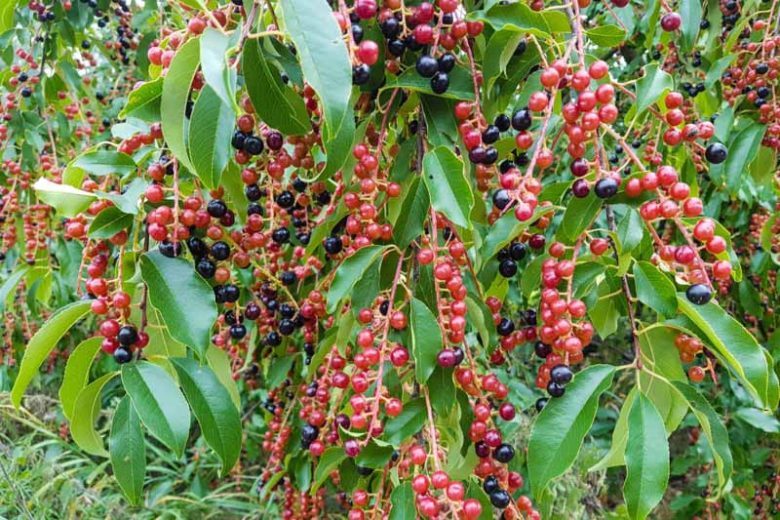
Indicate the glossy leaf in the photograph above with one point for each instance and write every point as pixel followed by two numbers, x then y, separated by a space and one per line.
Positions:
pixel 76 375
pixel 608 35
pixel 159 403
pixel 561 427
pixel 690 12
pixel 213 408
pixel 630 230
pixel 579 213
pixel 210 132
pixel 655 289
pixel 327 464
pixel 735 347
pixel 104 162
pixel 175 94
pixel 43 342
pixel 742 150
pixel 426 340
pixel 183 298
pixel 219 362
pixel 349 272
pixel 108 223
pixel 67 200
pixel 143 102
pixel 651 86
pixel 402 501
pixel 521 17
pixel 326 67
pixel 82 426
pixel 276 103
pixel 449 191
pixel 661 357
pixel 412 215
pixel 647 458
pixel 127 450
pixel 712 426
pixel 407 423
pixel 219 76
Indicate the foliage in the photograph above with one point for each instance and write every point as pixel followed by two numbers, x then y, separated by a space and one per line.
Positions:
pixel 305 258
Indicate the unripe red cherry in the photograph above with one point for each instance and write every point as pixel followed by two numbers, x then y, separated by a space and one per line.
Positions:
pixel 671 22
pixel 472 509
pixel 365 9
pixel 440 479
pixel 717 245
pixel 399 356
pixel 368 52
pixel 538 101
pixel 673 100
pixel 549 77
pixel 704 230
pixel 598 69
pixel 420 484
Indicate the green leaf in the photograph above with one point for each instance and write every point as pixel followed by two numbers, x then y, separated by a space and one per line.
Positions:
pixel 82 427
pixel 43 342
pixel 8 289
pixel 661 357
pixel 647 458
pixel 278 370
pixel 758 419
pixel 630 230
pixel 7 10
pixel 127 450
pixel 716 70
pixel 127 202
pixel 578 216
pixel 144 101
pixel 211 129
pixel 104 162
pixel 76 373
pixel 461 85
pixel 327 69
pixel 650 87
pixel 159 403
pixel 219 76
pixel 185 300
pixel 655 289
pixel 560 428
pixel 175 94
pixel 742 150
pixel 219 361
pixel 500 50
pixel 67 200
pixel 407 423
pixel 109 222
pixel 161 343
pixel 606 35
pixel 735 347
pixel 426 340
pixel 402 500
pixel 521 17
pixel 349 272
pixel 329 461
pixel 690 12
pixel 213 408
pixel 449 191
pixel 276 103
pixel 712 426
pixel 374 455
pixel 414 211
